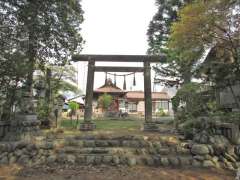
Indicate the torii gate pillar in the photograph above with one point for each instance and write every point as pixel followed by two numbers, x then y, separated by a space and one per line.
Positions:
pixel 88 125
pixel 149 125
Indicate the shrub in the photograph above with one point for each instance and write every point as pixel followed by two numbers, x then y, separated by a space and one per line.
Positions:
pixel 105 101
pixel 161 112
pixel 74 107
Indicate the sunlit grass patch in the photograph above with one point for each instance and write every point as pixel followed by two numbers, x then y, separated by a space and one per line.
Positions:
pixel 105 124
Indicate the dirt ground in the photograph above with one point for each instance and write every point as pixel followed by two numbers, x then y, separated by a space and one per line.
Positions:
pixel 110 173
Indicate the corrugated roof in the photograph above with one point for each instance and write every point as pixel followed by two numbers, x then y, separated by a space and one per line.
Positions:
pixel 78 100
pixel 139 95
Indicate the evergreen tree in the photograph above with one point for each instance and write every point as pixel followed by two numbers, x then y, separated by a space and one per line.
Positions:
pixel 177 69
pixel 215 25
pixel 159 27
pixel 48 30
pixel 35 33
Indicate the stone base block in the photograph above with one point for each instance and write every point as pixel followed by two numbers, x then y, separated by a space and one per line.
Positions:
pixel 23 127
pixel 87 126
pixel 4 128
pixel 25 123
pixel 151 127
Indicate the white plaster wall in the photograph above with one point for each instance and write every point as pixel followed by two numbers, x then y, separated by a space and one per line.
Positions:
pixel 141 106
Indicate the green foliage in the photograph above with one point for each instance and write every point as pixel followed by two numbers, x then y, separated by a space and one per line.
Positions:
pixel 177 67
pixel 214 24
pixel 212 106
pixel 55 80
pixel 13 72
pixel 189 127
pixel 191 100
pixel 159 27
pixel 232 118
pixel 161 112
pixel 51 28
pixel 185 34
pixel 42 110
pixel 105 101
pixel 73 105
pixel 43 31
pixel 63 78
pixel 210 23
pixel 35 33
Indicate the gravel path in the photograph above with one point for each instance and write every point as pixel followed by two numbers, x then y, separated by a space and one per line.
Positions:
pixel 111 173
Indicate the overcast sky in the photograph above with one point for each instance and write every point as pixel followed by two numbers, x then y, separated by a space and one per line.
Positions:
pixel 115 27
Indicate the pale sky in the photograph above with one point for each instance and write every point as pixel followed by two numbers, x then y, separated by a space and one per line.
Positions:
pixel 115 27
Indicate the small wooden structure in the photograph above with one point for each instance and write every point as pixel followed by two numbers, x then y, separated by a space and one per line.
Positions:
pixel 111 89
pixel 146 69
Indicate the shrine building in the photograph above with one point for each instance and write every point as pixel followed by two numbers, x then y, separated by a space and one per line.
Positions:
pixel 131 102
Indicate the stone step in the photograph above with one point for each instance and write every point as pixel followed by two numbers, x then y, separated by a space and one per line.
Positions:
pixel 74 150
pixel 116 143
pixel 123 150
pixel 174 161
pixel 49 153
pixel 107 143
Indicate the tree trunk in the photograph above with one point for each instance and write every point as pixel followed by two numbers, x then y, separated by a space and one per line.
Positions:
pixel 187 75
pixel 31 62
pixel 48 92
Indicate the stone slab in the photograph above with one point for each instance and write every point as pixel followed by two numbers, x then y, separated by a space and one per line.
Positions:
pixel 87 126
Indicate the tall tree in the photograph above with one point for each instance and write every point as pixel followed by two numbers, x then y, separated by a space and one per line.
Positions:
pixel 13 63
pixel 36 32
pixel 158 36
pixel 48 29
pixel 213 23
pixel 159 27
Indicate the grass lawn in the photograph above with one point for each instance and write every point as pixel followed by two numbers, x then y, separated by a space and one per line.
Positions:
pixel 106 124
pixel 110 127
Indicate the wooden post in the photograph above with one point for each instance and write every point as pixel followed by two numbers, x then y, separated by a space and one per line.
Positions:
pixel 48 96
pixel 147 92
pixel 87 125
pixel 149 124
pixel 168 106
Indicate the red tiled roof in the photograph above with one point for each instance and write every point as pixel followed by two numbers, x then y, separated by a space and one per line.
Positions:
pixel 139 95
pixel 109 87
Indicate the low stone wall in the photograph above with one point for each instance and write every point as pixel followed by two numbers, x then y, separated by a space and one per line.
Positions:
pixel 229 130
pixel 119 151
pixel 4 128
pixel 19 128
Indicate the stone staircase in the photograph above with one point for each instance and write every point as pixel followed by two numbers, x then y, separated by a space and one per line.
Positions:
pixel 130 150
pixel 125 150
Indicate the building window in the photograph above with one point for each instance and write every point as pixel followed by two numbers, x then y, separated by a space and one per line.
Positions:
pixel 122 104
pixel 161 105
pixel 132 107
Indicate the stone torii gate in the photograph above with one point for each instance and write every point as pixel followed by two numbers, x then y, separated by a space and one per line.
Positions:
pixel 88 125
